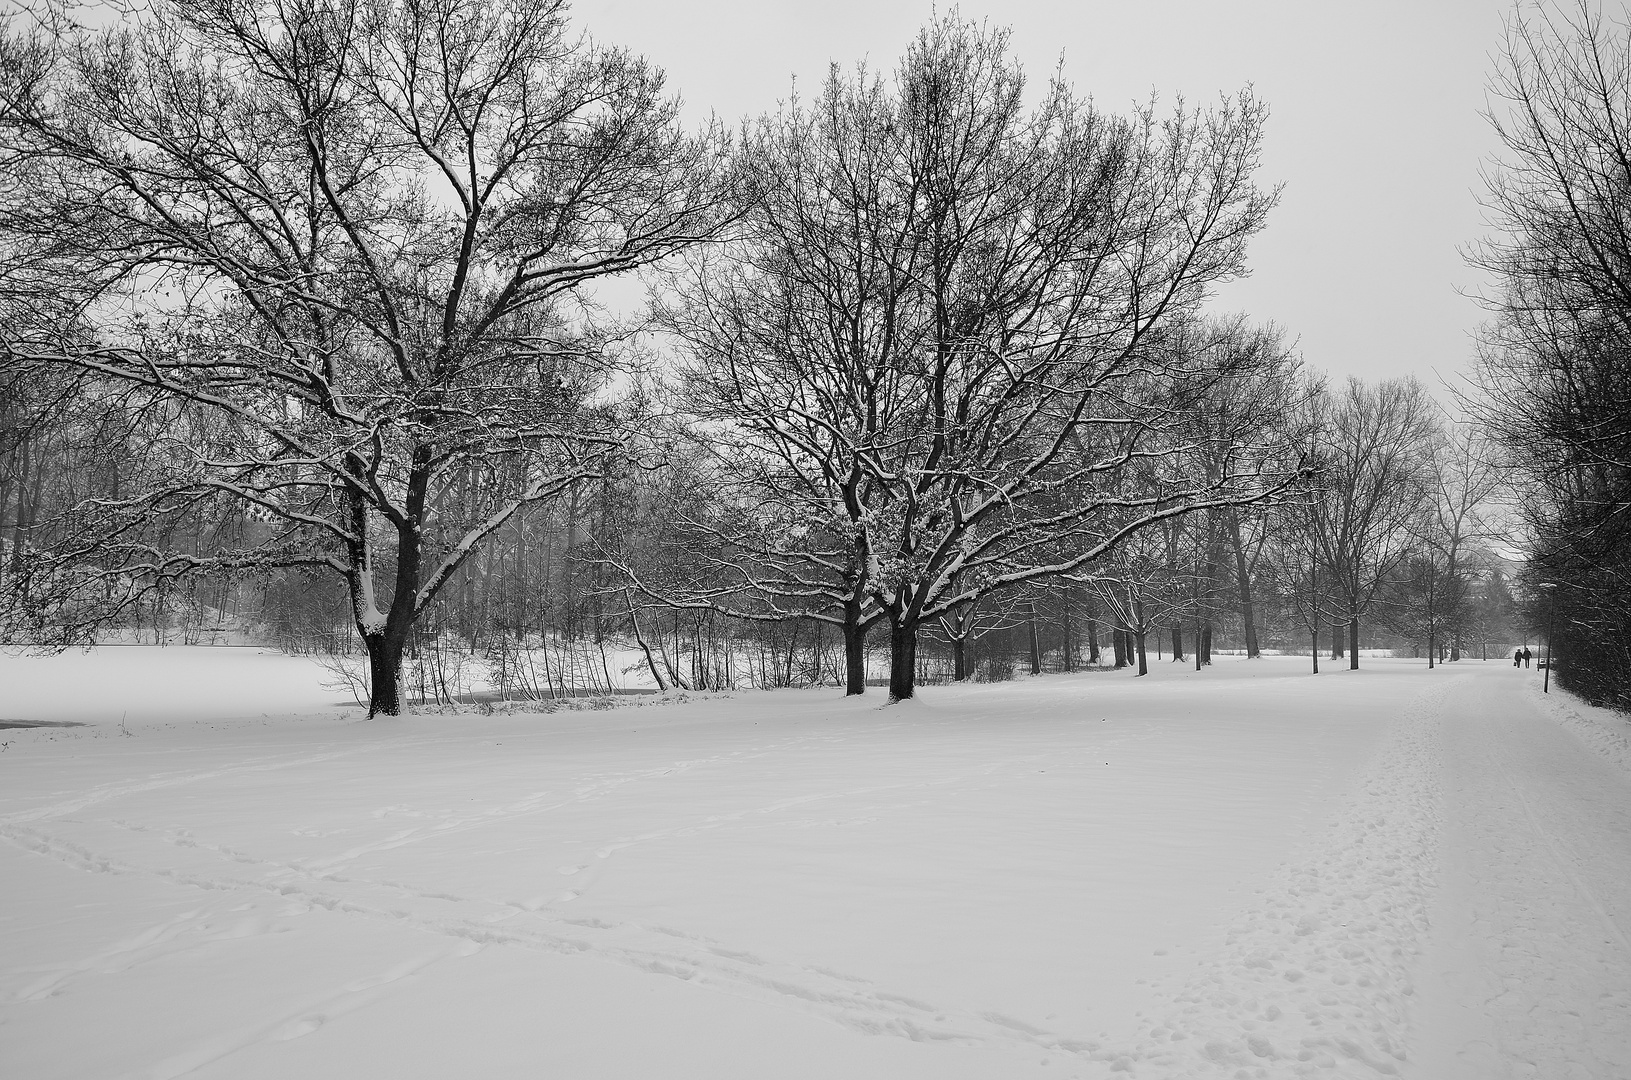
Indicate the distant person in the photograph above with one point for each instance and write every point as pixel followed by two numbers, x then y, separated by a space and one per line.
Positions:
pixel 1517 658
pixel 1526 655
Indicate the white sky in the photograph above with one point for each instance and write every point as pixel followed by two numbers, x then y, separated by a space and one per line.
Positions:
pixel 1374 129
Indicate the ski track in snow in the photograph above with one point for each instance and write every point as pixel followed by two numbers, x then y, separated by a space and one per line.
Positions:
pixel 1316 978
pixel 854 1002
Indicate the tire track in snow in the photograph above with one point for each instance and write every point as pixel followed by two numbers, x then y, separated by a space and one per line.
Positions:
pixel 1316 980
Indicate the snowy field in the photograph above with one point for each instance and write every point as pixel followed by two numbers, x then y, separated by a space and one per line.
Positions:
pixel 1244 872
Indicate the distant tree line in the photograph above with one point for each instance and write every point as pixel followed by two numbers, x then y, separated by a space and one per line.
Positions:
pixel 300 333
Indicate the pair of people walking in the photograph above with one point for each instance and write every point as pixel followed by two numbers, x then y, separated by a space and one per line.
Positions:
pixel 1520 657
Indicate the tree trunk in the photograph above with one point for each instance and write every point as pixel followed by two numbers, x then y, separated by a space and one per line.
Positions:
pixel 1177 641
pixel 1315 635
pixel 1336 641
pixel 1353 643
pixel 20 521
pixel 1138 645
pixel 1243 576
pixel 1092 643
pixel 1036 643
pixel 5 500
pixel 1118 646
pixel 854 656
pixel 902 658
pixel 384 674
pixel 1067 640
pixel 1206 643
pixel 639 639
pixel 1432 644
pixel 959 657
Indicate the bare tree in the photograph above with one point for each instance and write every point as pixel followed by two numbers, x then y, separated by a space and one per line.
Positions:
pixel 338 244
pixel 1374 489
pixel 1463 481
pixel 939 332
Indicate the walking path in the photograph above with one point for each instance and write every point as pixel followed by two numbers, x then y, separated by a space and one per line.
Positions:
pixel 1529 973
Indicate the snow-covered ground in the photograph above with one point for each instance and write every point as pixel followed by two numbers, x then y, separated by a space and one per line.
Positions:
pixel 1243 872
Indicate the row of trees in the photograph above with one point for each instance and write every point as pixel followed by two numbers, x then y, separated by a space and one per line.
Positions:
pixel 305 293
pixel 1554 377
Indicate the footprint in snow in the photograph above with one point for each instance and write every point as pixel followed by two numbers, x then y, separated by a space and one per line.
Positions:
pixel 297 1028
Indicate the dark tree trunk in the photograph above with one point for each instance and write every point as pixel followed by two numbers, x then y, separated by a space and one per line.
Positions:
pixel 21 520
pixel 1316 649
pixel 1036 642
pixel 1118 645
pixel 1205 646
pixel 1336 641
pixel 854 657
pixel 902 658
pixel 1138 645
pixel 1067 633
pixel 384 674
pixel 1093 643
pixel 959 658
pixel 1177 641
pixel 645 647
pixel 1432 642
pixel 1353 643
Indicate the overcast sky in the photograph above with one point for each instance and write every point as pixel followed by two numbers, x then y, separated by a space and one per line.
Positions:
pixel 1374 129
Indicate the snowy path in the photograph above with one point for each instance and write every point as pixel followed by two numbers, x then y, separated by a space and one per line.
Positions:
pixel 1531 974
pixel 1244 872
